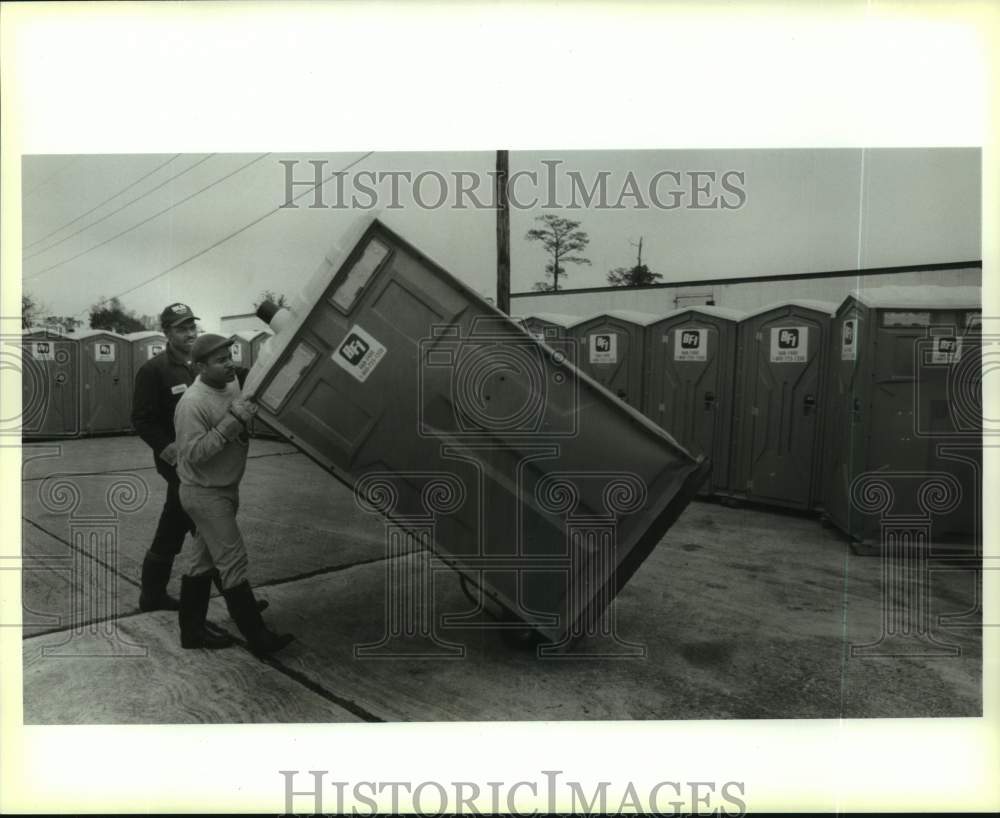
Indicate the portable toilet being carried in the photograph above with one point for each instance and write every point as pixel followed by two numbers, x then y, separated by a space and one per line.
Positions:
pixel 543 325
pixel 105 382
pixel 611 351
pixel 535 485
pixel 146 345
pixel 50 385
pixel 257 342
pixel 690 369
pixel 904 420
pixel 781 377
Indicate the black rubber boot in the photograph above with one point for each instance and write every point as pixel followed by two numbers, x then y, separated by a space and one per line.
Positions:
pixel 195 592
pixel 243 609
pixel 262 604
pixel 155 576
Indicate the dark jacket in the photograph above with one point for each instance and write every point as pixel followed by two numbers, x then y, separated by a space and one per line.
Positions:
pixel 159 384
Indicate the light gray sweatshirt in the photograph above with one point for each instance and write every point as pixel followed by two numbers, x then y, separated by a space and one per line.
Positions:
pixel 212 442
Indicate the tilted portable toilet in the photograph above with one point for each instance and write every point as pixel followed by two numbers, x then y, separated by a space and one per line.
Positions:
pixel 461 429
pixel 105 382
pixel 611 351
pixel 146 345
pixel 690 373
pixel 544 325
pixel 905 412
pixel 257 342
pixel 50 385
pixel 781 375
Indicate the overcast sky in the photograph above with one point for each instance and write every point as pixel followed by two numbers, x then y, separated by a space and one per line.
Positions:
pixel 105 225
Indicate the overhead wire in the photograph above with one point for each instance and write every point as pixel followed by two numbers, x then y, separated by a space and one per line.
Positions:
pixel 237 232
pixel 101 204
pixel 146 220
pixel 49 178
pixel 128 204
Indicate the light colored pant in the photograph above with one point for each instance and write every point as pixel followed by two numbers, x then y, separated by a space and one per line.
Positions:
pixel 218 542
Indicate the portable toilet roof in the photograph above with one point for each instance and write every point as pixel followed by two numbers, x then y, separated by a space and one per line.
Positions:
pixel 933 297
pixel 706 309
pixel 90 333
pixel 557 318
pixel 250 334
pixel 636 317
pixel 820 306
pixel 143 335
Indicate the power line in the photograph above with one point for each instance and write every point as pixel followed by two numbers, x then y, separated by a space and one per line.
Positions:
pixel 95 207
pixel 146 220
pixel 235 233
pixel 107 216
pixel 48 178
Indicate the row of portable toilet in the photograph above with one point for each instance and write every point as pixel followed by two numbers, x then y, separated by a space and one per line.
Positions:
pixel 82 384
pixel 794 401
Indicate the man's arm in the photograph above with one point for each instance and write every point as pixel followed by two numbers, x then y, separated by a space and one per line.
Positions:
pixel 145 419
pixel 197 438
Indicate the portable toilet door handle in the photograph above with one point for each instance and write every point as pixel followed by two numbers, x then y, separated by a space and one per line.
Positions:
pixel 808 404
pixel 709 401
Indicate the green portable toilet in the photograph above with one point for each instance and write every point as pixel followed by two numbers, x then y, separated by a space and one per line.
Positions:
pixel 532 482
pixel 544 325
pixel 611 351
pixel 781 375
pixel 690 370
pixel 146 345
pixel 50 385
pixel 105 382
pixel 904 405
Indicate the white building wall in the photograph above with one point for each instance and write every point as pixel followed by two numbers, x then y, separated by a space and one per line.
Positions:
pixel 740 296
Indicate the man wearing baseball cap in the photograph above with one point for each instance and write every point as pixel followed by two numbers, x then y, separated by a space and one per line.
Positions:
pixel 212 419
pixel 159 384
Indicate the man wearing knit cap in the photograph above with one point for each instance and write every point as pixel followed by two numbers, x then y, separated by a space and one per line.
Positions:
pixel 211 420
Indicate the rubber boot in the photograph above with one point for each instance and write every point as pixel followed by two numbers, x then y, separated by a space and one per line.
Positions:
pixel 243 609
pixel 262 604
pixel 155 576
pixel 195 592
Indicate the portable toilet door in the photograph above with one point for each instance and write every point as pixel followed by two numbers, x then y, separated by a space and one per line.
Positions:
pixel 611 351
pixel 908 413
pixel 145 347
pixel 50 382
pixel 690 368
pixel 105 382
pixel 781 361
pixel 549 325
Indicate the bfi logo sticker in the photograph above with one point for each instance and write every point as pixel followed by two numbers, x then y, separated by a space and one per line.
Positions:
pixel 604 348
pixel 43 351
pixel 104 352
pixel 153 350
pixel 359 353
pixel 849 340
pixel 690 344
pixel 237 353
pixel 947 349
pixel 789 345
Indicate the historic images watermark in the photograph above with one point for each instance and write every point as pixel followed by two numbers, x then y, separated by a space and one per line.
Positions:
pixel 538 552
pixel 552 186
pixel 550 793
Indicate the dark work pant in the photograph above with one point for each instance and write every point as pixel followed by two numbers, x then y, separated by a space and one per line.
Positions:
pixel 174 523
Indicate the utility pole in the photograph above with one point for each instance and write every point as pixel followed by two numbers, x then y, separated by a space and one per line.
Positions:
pixel 503 234
pixel 638 262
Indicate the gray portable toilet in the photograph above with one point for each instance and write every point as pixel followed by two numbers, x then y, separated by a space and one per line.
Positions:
pixel 780 386
pixel 690 373
pixel 904 405
pixel 50 384
pixel 146 345
pixel 611 351
pixel 544 325
pixel 445 417
pixel 105 382
pixel 243 346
